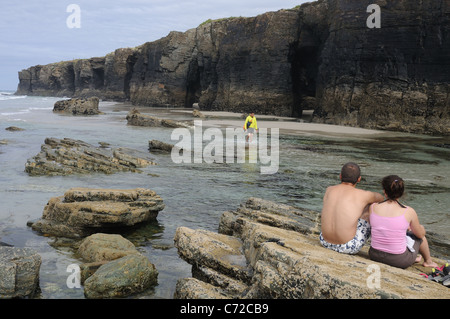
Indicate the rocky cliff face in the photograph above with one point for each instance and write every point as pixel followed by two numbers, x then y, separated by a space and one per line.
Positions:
pixel 106 77
pixel 395 77
pixel 319 56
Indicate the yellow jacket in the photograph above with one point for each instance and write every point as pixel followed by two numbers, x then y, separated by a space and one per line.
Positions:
pixel 253 122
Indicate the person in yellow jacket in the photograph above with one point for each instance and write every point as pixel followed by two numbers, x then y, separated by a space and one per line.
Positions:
pixel 250 126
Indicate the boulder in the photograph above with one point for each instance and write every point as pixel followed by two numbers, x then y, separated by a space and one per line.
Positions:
pixel 5 244
pixel 277 248
pixel 197 113
pixel 105 247
pixel 78 106
pixel 135 118
pixel 14 129
pixel 155 145
pixel 67 156
pixel 83 211
pixel 114 267
pixel 19 272
pixel 121 277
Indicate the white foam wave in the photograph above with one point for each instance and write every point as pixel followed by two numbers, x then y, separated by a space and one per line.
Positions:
pixel 27 110
pixel 10 96
pixel 13 113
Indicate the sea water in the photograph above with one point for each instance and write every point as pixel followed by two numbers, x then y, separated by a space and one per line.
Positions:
pixel 196 195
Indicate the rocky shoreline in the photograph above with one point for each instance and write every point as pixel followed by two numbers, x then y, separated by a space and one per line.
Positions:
pixel 262 250
pixel 84 211
pixel 318 56
pixel 134 117
pixel 78 106
pixel 265 250
pixel 111 266
pixel 68 156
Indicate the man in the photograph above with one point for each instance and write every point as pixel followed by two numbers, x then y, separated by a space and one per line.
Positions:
pixel 345 213
pixel 250 126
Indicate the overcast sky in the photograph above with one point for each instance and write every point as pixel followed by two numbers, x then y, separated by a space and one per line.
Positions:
pixel 36 31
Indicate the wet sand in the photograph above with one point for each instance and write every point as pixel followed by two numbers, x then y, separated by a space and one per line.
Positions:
pixel 286 125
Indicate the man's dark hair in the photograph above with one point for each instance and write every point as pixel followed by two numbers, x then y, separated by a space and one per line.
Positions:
pixel 350 173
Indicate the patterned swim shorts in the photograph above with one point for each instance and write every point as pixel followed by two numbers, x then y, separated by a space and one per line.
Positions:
pixel 354 245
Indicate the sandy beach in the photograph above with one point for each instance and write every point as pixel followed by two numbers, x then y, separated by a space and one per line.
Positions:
pixel 286 125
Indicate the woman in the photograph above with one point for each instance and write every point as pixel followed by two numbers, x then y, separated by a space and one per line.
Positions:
pixel 397 235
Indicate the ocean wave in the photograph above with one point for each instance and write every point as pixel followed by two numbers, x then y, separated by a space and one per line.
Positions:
pixel 25 111
pixel 39 108
pixel 12 113
pixel 10 96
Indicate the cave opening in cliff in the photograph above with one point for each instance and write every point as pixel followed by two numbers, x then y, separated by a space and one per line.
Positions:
pixel 99 78
pixel 131 61
pixel 304 71
pixel 71 76
pixel 193 84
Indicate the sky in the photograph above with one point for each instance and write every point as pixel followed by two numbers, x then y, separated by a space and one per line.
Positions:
pixel 36 32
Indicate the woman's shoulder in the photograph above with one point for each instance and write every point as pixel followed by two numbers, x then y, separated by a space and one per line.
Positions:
pixel 410 213
pixel 374 207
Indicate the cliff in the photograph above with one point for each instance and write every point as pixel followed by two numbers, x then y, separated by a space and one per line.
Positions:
pixel 320 55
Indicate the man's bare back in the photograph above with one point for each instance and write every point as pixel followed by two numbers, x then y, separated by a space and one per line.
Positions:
pixel 343 206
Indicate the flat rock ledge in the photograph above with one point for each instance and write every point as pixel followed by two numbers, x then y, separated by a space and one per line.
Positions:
pixel 78 106
pixel 162 147
pixel 81 212
pixel 135 118
pixel 68 156
pixel 14 129
pixel 19 272
pixel 265 250
pixel 114 268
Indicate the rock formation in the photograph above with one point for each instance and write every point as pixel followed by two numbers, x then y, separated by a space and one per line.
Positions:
pixel 320 55
pixel 158 146
pixel 14 129
pixel 105 77
pixel 83 211
pixel 134 117
pixel 266 250
pixel 19 272
pixel 114 267
pixel 394 77
pixel 121 277
pixel 197 113
pixel 67 156
pixel 105 247
pixel 78 106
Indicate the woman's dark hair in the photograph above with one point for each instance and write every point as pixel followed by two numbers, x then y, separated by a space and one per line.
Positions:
pixel 394 186
pixel 350 173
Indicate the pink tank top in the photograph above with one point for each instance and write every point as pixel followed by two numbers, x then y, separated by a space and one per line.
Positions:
pixel 389 233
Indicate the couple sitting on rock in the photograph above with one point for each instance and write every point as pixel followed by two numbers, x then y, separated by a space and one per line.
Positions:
pixel 350 216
